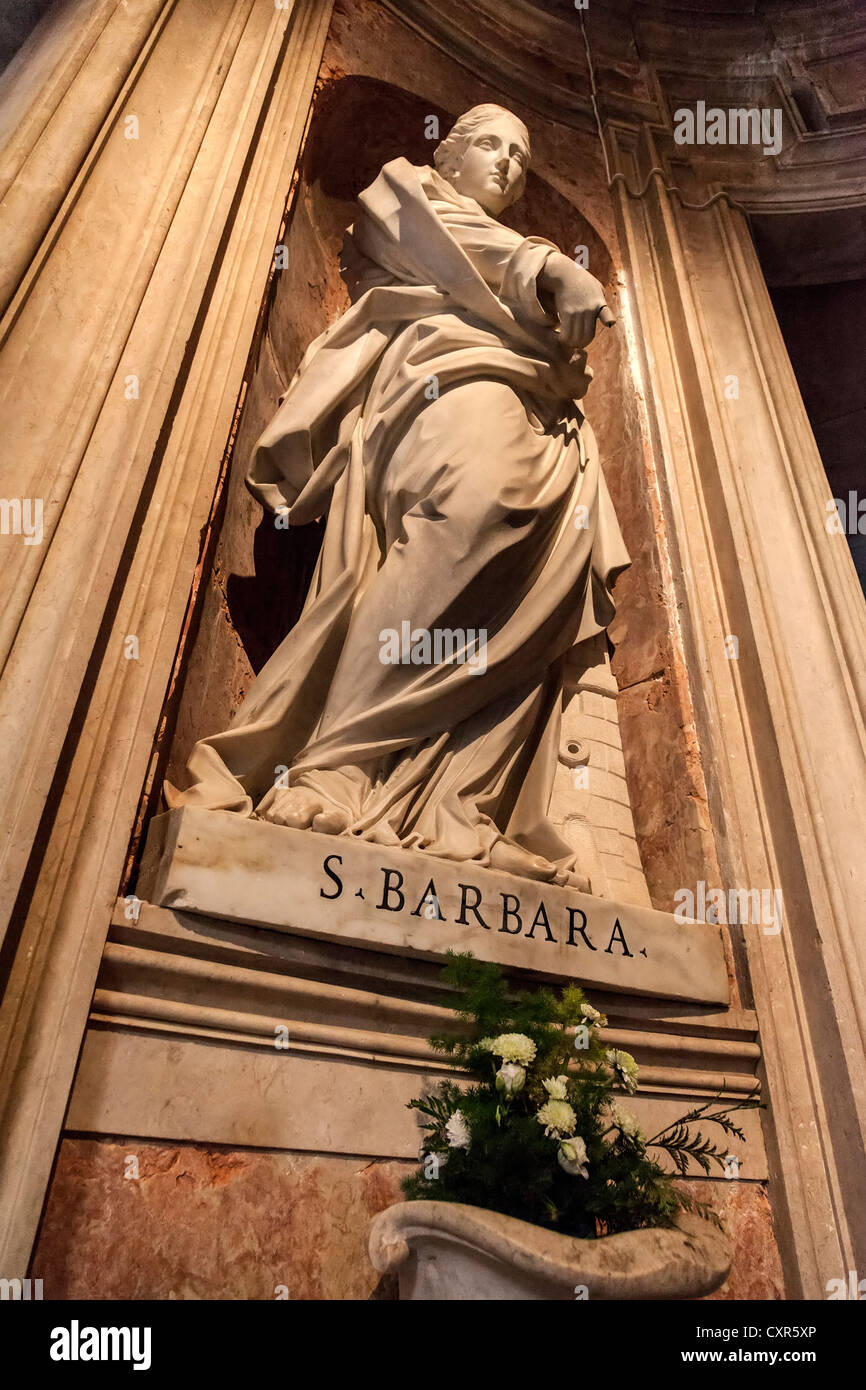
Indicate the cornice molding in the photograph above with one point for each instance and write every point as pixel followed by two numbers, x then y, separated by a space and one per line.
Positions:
pixel 643 72
pixel 161 974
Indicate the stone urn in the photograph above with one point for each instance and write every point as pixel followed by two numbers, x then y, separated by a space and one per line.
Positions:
pixel 443 1250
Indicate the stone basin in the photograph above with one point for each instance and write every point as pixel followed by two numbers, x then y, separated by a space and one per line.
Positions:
pixel 444 1250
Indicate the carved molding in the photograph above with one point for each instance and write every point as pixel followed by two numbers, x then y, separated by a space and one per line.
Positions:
pixel 172 985
pixel 184 286
pixel 744 495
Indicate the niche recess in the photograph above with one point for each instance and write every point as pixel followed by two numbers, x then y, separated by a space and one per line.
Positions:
pixel 255 577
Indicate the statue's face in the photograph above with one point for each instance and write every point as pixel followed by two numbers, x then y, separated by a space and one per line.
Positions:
pixel 493 167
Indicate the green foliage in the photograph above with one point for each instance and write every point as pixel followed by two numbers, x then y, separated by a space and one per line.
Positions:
pixel 678 1140
pixel 511 1164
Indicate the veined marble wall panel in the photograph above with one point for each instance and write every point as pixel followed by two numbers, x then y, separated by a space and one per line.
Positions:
pixel 265 1224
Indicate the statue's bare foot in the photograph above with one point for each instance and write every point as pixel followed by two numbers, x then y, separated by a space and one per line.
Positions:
pixel 514 860
pixel 295 807
pixel 331 822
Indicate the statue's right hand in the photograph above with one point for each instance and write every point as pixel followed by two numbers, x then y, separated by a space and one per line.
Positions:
pixel 578 298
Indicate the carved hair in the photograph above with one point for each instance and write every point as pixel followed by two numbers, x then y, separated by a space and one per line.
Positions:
pixel 449 152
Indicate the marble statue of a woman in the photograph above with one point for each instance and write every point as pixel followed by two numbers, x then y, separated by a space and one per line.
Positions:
pixel 470 544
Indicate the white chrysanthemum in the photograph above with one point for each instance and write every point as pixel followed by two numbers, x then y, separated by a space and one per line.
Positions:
pixel 514 1047
pixel 624 1067
pixel 626 1122
pixel 557 1117
pixel 510 1078
pixel 556 1087
pixel 457 1131
pixel 572 1157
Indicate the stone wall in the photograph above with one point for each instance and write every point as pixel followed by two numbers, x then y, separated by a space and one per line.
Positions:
pixel 722 505
pixel 180 1057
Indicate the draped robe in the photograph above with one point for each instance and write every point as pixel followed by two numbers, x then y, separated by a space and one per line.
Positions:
pixel 435 425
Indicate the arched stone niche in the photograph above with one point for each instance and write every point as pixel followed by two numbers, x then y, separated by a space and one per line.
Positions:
pixel 640 828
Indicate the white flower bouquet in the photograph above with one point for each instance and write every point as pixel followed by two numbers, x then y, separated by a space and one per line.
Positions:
pixel 538 1132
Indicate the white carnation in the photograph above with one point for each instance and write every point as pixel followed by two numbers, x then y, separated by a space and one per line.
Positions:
pixel 510 1078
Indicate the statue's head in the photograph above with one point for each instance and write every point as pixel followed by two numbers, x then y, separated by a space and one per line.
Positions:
pixel 485 157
